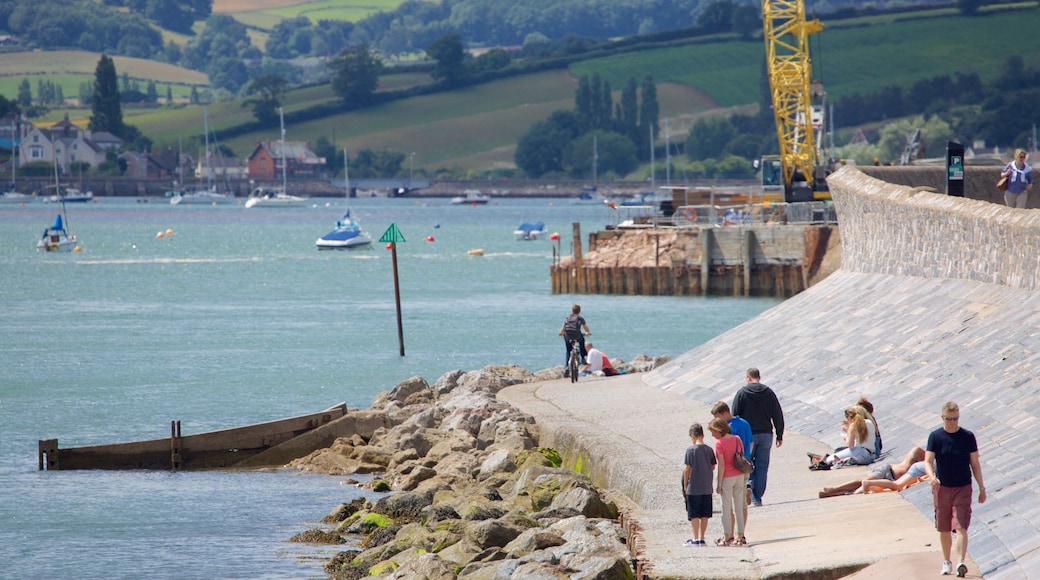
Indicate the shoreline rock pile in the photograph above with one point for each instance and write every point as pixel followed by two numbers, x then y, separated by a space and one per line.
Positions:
pixel 475 497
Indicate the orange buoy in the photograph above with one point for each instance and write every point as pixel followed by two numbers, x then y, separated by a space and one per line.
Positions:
pixel 610 204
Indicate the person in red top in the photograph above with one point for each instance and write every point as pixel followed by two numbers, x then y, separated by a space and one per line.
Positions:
pixel 730 482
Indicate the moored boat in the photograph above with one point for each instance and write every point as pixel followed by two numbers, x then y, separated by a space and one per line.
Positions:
pixel 529 230
pixel 56 238
pixel 206 196
pixel 273 197
pixel 348 234
pixel 210 450
pixel 471 197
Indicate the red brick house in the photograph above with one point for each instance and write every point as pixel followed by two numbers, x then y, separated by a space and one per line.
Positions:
pixel 266 160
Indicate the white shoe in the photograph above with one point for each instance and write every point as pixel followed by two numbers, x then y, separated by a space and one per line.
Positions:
pixel 961 570
pixel 947 568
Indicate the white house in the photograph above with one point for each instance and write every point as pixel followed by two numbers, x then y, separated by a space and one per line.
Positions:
pixel 67 142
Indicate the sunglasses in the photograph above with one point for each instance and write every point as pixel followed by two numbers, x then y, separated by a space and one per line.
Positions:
pixel 951 418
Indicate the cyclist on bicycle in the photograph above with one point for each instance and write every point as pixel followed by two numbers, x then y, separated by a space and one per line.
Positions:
pixel 571 331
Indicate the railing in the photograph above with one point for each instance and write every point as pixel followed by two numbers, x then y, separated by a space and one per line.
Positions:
pixel 814 212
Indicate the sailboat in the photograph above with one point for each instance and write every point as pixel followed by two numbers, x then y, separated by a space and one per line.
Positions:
pixel 273 196
pixel 348 233
pixel 57 238
pixel 210 195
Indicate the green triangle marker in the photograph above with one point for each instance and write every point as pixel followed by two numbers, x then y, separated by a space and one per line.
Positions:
pixel 392 234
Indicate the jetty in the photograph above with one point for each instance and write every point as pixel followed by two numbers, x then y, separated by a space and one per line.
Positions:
pixel 269 444
pixel 934 301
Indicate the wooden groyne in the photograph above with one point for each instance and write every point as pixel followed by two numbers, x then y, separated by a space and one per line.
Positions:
pixel 742 260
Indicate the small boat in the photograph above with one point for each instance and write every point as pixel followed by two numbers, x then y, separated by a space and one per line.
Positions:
pixel 590 195
pixel 56 238
pixel 206 196
pixel 347 235
pixel 14 197
pixel 211 450
pixel 529 230
pixel 273 197
pixel 71 195
pixel 276 196
pixel 472 197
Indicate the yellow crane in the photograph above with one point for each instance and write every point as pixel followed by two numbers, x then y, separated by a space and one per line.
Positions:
pixel 787 32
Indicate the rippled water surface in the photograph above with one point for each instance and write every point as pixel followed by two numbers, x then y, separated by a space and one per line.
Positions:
pixel 236 318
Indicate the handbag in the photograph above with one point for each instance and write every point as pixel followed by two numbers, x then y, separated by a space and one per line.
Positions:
pixel 741 462
pixel 1002 183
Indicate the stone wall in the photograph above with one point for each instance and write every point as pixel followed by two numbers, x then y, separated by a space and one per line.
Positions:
pixel 893 229
pixel 936 300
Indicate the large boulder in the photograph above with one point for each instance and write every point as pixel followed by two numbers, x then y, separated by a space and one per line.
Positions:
pixel 492 533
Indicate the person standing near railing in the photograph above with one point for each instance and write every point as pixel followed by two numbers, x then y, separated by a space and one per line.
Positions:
pixel 1019 180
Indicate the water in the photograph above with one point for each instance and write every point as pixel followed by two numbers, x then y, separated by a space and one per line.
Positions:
pixel 236 318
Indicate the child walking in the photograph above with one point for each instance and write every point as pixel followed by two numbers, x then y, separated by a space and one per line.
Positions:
pixel 730 483
pixel 699 466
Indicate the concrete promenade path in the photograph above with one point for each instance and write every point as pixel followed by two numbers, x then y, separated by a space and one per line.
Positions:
pixel 631 437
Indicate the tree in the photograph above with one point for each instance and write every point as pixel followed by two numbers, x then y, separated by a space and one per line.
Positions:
pixel 447 51
pixel 106 111
pixel 355 75
pixel 24 94
pixel 614 153
pixel 265 98
pixel 540 150
pixel 717 17
pixel 969 7
pixel 708 138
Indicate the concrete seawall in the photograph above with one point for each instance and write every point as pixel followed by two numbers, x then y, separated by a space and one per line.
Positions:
pixel 936 300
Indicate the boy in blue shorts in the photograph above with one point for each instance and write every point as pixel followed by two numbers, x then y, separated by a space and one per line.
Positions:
pixel 697 484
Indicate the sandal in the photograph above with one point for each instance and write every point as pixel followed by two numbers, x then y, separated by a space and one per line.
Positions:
pixel 723 542
pixel 740 542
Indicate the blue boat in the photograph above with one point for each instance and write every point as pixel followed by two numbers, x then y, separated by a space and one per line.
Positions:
pixel 529 230
pixel 347 235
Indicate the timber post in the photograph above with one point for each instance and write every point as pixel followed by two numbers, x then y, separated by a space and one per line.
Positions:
pixel 747 256
pixel 705 235
pixel 176 443
pixel 579 267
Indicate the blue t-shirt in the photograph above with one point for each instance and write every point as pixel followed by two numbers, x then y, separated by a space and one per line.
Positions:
pixel 700 458
pixel 952 456
pixel 742 429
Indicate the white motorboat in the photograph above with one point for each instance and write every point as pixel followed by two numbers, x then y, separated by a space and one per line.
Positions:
pixel 471 197
pixel 529 231
pixel 70 195
pixel 273 197
pixel 347 235
pixel 207 197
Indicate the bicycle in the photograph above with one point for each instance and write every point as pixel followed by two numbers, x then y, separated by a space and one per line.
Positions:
pixel 574 360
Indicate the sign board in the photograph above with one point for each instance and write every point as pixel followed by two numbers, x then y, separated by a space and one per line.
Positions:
pixel 392 234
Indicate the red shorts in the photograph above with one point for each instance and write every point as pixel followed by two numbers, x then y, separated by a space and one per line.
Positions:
pixel 952 507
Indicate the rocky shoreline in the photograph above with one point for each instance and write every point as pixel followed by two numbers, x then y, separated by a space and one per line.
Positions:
pixel 472 495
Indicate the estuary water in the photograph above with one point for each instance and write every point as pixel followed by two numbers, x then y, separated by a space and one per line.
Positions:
pixel 235 318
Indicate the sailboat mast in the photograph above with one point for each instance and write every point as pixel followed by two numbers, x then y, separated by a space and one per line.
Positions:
pixel 205 126
pixel 346 173
pixel 281 121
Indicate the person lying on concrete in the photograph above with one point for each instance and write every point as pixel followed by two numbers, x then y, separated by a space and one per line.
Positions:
pixel 859 436
pixel 894 476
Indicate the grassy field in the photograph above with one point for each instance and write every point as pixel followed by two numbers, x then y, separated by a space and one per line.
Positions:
pixel 70 68
pixel 265 14
pixel 477 128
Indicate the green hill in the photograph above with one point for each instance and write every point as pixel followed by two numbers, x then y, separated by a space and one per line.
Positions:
pixel 476 128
